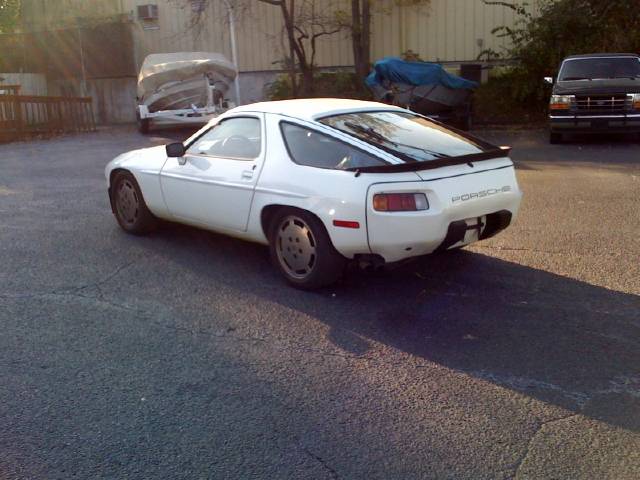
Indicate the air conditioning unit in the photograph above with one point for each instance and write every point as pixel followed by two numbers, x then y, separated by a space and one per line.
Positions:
pixel 148 12
pixel 198 6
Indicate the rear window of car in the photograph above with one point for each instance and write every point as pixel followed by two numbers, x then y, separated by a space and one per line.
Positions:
pixel 314 149
pixel 599 68
pixel 409 137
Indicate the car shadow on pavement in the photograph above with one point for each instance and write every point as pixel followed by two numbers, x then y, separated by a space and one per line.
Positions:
pixel 550 337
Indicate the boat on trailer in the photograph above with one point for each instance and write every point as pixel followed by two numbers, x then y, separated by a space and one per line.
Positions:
pixel 183 89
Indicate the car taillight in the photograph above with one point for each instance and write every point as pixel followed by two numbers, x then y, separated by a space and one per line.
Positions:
pixel 400 202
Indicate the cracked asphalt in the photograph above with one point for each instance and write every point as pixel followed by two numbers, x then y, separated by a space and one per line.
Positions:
pixel 183 355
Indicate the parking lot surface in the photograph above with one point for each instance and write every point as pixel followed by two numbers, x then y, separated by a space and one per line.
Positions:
pixel 183 354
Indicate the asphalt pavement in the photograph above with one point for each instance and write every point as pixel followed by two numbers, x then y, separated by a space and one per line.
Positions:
pixel 184 355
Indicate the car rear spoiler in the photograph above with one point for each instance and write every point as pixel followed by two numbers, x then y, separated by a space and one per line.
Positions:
pixel 494 152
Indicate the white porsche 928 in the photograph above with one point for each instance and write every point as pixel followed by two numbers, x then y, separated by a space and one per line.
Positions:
pixel 322 182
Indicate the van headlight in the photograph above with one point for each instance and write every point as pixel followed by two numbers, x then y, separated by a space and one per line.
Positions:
pixel 561 102
pixel 635 100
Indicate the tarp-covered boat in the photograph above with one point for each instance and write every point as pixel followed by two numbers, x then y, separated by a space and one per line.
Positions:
pixel 424 87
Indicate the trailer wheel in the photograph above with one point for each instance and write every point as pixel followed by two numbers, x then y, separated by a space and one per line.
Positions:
pixel 144 124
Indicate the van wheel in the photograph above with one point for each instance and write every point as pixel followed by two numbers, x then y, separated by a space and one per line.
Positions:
pixel 555 138
pixel 302 250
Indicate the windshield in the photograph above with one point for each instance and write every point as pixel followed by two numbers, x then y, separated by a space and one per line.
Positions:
pixel 408 137
pixel 600 68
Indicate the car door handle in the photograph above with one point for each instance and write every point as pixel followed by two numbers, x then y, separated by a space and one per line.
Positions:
pixel 247 174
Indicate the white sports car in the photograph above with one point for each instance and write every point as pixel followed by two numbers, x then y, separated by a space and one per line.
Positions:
pixel 322 182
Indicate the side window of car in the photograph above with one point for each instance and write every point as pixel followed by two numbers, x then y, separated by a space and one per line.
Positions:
pixel 238 138
pixel 314 149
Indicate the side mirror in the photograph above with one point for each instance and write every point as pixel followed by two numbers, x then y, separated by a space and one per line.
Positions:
pixel 548 80
pixel 175 150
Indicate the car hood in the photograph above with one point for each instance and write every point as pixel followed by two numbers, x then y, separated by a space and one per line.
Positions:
pixel 145 153
pixel 149 159
pixel 614 86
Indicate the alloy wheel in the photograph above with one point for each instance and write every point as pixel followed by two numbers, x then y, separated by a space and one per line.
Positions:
pixel 127 202
pixel 296 247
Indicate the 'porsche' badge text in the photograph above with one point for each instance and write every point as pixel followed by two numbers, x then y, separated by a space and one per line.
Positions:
pixel 481 194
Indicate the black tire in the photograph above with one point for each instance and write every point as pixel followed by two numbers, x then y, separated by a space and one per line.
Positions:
pixel 302 250
pixel 129 206
pixel 555 138
pixel 144 124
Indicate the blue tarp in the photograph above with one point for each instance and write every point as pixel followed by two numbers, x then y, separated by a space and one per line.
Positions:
pixel 396 70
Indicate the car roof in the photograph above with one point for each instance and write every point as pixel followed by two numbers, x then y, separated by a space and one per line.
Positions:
pixel 313 108
pixel 603 55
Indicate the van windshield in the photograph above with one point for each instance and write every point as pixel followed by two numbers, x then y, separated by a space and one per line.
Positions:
pixel 600 68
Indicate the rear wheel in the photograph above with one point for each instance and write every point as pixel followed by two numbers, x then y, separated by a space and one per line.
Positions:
pixel 129 207
pixel 302 250
pixel 555 138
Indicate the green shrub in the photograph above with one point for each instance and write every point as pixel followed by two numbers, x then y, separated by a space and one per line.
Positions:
pixel 338 84
pixel 496 102
pixel 279 89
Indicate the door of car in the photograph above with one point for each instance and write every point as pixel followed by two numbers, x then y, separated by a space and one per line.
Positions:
pixel 213 184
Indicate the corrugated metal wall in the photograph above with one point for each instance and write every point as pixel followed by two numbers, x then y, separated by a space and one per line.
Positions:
pixel 47 14
pixel 259 34
pixel 446 30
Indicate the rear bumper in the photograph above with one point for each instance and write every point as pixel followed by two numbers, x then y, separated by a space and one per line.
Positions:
pixel 620 123
pixel 494 224
pixel 491 197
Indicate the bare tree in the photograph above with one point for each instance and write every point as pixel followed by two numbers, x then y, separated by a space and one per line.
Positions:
pixel 361 36
pixel 304 23
pixel 358 23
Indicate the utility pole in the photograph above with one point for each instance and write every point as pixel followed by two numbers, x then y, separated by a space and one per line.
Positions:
pixel 234 52
pixel 83 81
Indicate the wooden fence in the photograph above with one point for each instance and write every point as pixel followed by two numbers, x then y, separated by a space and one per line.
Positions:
pixel 24 116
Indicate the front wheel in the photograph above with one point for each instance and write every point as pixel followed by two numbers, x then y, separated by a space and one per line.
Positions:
pixel 128 205
pixel 302 250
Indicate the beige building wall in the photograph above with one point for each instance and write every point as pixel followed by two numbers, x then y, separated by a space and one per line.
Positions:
pixel 261 44
pixel 446 30
pixel 49 14
pixel 443 30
